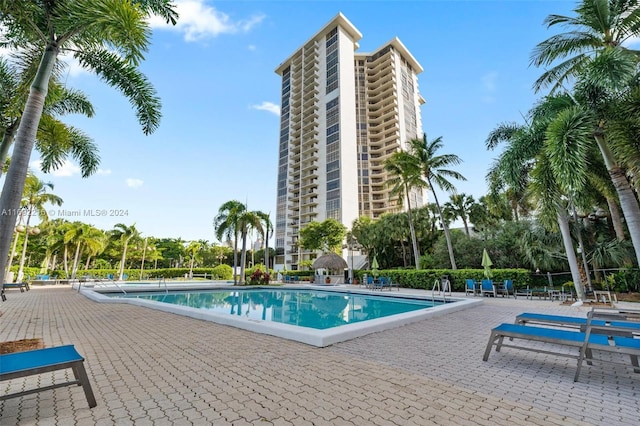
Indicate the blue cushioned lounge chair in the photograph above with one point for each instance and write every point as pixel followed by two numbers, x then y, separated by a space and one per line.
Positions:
pixel 487 287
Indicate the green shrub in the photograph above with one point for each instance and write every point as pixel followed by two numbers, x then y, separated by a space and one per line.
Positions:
pixel 625 280
pixel 222 272
pixel 426 278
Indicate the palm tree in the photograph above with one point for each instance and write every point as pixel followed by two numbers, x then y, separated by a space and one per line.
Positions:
pixel 226 225
pixel 267 232
pixel 192 250
pixel 405 177
pixel 124 234
pixel 107 37
pixel 599 25
pixel 36 196
pixel 526 151
pixel 459 206
pixel 55 140
pixel 247 221
pixel 86 238
pixel 606 88
pixel 436 174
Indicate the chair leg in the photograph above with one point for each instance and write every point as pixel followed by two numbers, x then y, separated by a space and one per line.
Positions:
pixel 487 351
pixel 81 375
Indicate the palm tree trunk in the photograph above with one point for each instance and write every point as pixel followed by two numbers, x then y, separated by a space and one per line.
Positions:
pixel 235 258
pixel 628 201
pixel 144 252
pixel 65 260
pixel 563 223
pixel 266 248
pixel 24 246
pixel 616 219
pixel 76 260
pixel 122 261
pixel 7 138
pixel 412 229
pixel 447 235
pixel 243 258
pixel 25 139
pixel 13 251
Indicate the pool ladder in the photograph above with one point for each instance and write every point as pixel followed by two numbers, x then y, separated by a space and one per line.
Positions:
pixel 161 281
pixel 118 285
pixel 441 286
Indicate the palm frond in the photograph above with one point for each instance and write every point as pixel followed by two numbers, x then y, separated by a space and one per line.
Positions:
pixel 567 145
pixel 131 82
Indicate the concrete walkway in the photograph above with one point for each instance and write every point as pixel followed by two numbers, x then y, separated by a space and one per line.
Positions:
pixel 153 368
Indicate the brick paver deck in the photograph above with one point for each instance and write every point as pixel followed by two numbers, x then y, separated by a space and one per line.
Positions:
pixel 153 368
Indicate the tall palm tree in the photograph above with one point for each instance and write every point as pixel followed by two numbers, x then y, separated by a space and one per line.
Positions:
pixel 405 177
pixel 247 221
pixel 459 206
pixel 226 225
pixel 267 232
pixel 35 197
pixel 592 51
pixel 124 234
pixel 108 37
pixel 598 25
pixel 526 151
pixel 434 169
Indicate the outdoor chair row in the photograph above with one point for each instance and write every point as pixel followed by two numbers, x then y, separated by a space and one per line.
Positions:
pixel 604 329
pixel 488 287
pixel 380 283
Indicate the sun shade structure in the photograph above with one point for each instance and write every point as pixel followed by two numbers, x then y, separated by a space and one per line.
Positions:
pixel 330 261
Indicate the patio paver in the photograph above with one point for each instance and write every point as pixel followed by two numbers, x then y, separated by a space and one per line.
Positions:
pixel 152 368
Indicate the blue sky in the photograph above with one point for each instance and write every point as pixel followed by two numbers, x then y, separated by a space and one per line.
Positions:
pixel 219 133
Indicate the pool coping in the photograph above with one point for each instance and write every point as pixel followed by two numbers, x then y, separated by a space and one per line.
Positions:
pixel 310 336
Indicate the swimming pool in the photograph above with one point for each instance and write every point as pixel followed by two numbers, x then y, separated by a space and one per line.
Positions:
pixel 304 308
pixel 315 316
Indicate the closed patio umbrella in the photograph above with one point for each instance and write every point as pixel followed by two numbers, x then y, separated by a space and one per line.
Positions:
pixel 486 264
pixel 374 266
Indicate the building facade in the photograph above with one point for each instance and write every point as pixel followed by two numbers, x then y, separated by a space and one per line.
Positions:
pixel 343 113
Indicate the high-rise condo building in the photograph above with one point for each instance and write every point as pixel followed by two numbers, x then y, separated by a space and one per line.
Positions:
pixel 343 113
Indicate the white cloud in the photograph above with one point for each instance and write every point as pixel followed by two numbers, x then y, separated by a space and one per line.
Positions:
pixel 103 172
pixel 199 21
pixel 489 81
pixel 65 170
pixel 134 183
pixel 267 106
pixel 251 47
pixel 74 68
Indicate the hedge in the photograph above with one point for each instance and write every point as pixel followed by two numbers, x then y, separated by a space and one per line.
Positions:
pixel 425 278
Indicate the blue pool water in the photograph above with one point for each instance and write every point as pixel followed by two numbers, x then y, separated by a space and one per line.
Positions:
pixel 318 309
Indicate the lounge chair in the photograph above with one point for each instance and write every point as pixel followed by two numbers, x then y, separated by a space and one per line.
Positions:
pixel 506 288
pixel 22 286
pixel 28 363
pixel 525 291
pixel 470 287
pixel 617 321
pixel 605 338
pixel 487 287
